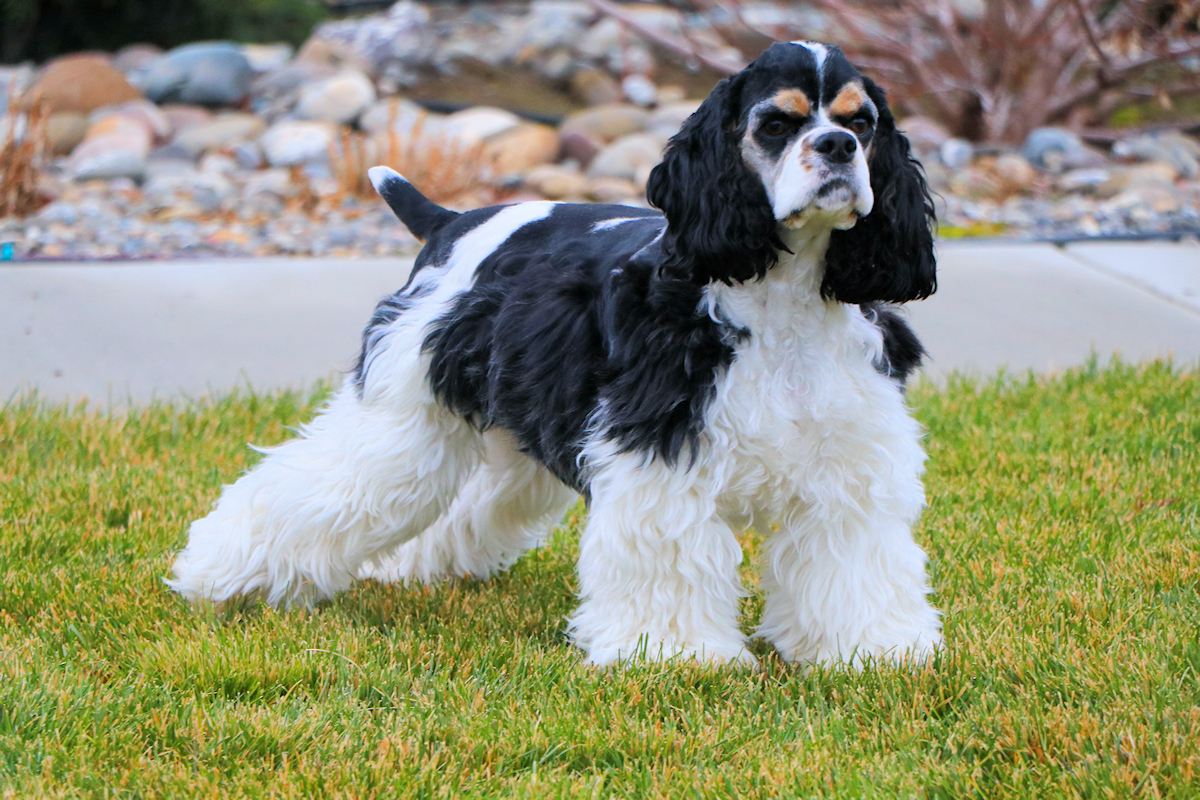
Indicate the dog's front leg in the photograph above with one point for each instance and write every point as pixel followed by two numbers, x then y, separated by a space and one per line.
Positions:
pixel 657 568
pixel 844 584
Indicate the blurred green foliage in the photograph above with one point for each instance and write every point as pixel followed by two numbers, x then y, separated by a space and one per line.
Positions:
pixel 41 29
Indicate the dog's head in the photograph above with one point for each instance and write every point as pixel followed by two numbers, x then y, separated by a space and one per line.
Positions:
pixel 798 140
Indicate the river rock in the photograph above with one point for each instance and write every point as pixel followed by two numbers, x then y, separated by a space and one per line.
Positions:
pixel 629 158
pixel 404 115
pixel 956 153
pixel 1169 147
pixel 144 111
pixel 640 90
pixel 266 57
pixel 182 116
pixel 477 124
pixel 667 119
pixel 204 73
pixel 924 134
pixel 133 59
pixel 80 83
pixel 116 147
pixel 522 147
pixel 340 98
pixel 223 131
pixel 291 142
pixel 1058 149
pixel 594 88
pixel 556 182
pixel 606 124
pixel 64 131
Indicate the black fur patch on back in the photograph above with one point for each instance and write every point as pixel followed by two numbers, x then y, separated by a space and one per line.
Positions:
pixel 563 319
pixel 902 350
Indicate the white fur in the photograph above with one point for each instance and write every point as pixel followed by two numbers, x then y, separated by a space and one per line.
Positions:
pixel 803 434
pixel 363 477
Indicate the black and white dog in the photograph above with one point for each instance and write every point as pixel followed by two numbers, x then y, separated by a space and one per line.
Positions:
pixel 729 362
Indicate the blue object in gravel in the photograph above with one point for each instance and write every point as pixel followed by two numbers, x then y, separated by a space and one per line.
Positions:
pixel 6 251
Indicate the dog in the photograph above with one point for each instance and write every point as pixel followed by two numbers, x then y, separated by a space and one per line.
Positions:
pixel 732 361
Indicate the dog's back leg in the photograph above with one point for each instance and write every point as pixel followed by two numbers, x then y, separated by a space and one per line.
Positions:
pixel 507 506
pixel 362 477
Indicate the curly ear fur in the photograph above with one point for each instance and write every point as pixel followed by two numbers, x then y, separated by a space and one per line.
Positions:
pixel 888 254
pixel 719 220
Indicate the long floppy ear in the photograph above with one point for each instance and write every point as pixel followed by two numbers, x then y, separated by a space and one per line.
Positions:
pixel 888 254
pixel 719 221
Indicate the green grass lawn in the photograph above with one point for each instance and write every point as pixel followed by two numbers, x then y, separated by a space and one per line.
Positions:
pixel 1063 533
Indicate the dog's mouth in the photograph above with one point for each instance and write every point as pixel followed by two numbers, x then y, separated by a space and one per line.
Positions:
pixel 835 200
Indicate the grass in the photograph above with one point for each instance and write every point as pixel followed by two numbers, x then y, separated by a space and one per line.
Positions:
pixel 1062 527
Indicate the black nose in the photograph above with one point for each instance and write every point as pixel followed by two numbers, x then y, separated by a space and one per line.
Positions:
pixel 837 146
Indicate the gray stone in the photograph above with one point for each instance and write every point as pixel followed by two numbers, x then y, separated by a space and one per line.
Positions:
pixel 1059 150
pixel 640 90
pixel 291 142
pixel 340 98
pixel 266 57
pixel 956 153
pixel 224 131
pixel 666 120
pixel 204 73
pixel 1181 152
pixel 404 115
pixel 605 124
pixel 630 158
pixel 58 212
pixel 479 124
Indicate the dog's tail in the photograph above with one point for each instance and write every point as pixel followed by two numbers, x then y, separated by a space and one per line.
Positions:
pixel 419 214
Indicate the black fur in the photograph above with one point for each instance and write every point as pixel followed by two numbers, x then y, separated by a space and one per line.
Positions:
pixel 562 319
pixel 418 213
pixel 888 254
pixel 902 350
pixel 720 224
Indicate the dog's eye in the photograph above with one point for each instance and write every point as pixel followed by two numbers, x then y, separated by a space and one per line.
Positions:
pixel 859 126
pixel 775 127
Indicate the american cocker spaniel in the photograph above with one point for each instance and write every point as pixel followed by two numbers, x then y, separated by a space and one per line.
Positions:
pixel 728 362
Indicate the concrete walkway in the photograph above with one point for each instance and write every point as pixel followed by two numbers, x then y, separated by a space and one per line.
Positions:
pixel 135 331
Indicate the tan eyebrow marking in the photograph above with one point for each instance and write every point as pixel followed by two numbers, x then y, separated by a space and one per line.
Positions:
pixel 793 101
pixel 849 100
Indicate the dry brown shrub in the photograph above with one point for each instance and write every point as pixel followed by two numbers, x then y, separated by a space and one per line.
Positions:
pixel 442 169
pixel 21 161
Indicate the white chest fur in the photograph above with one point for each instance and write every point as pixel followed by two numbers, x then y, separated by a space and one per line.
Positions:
pixel 802 419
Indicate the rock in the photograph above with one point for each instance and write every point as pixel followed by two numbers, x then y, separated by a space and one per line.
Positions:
pixel 640 90
pixel 522 147
pixel 142 110
pixel 1157 173
pixel 956 153
pixel 289 78
pixel 291 142
pixel 80 83
pixel 478 124
pixel 1084 180
pixel 59 213
pixel 64 131
pixel 340 98
pixel 1015 174
pixel 578 147
pixel 613 190
pixel 1058 149
pixel 924 134
pixel 1169 147
pixel 670 94
pixel 1159 199
pixel 266 57
pixel 667 119
pixel 606 124
pixel 593 87
pixel 204 73
pixel 330 53
pixel 218 163
pixel 224 131
pixel 555 182
pixel 204 192
pixel 133 59
pixel 181 116
pixel 248 155
pixel 14 80
pixel 404 115
pixel 630 158
pixel 116 147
